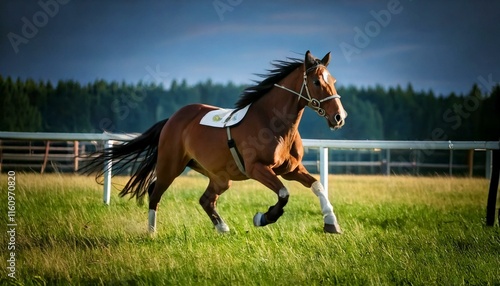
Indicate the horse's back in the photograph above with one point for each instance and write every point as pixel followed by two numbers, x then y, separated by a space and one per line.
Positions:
pixel 190 112
pixel 187 138
pixel 181 124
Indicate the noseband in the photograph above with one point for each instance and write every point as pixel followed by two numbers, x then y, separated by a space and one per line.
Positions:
pixel 313 103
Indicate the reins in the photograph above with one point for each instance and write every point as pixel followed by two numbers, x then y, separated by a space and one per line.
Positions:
pixel 313 103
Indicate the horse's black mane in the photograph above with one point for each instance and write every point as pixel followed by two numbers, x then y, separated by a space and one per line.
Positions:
pixel 281 70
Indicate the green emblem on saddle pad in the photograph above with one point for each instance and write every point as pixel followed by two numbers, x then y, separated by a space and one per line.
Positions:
pixel 216 118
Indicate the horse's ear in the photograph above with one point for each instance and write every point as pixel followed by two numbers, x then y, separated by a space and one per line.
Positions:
pixel 310 60
pixel 326 59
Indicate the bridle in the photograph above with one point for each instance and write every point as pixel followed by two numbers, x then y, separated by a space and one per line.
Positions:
pixel 313 103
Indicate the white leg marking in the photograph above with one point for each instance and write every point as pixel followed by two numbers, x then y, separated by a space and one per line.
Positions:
pixel 326 207
pixel 283 193
pixel 152 221
pixel 222 227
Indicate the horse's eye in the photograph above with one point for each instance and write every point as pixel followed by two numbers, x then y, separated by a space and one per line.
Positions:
pixel 316 82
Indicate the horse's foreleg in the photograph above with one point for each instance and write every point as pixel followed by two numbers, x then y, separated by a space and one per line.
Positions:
pixel 274 212
pixel 331 223
pixel 267 177
pixel 302 176
pixel 209 203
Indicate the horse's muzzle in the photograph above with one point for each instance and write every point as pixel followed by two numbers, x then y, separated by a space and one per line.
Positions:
pixel 337 121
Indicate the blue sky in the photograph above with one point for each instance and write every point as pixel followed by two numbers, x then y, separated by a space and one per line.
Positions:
pixel 446 46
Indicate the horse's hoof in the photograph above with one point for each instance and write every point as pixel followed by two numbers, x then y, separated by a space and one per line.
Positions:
pixel 258 219
pixel 152 231
pixel 332 228
pixel 222 228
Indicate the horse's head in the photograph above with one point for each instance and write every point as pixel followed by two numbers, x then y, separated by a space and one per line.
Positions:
pixel 320 89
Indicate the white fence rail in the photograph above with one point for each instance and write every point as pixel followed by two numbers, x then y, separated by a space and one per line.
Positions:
pixel 322 145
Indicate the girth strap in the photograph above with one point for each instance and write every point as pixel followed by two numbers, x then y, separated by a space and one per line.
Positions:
pixel 234 152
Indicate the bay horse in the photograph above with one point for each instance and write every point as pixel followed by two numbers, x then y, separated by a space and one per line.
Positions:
pixel 265 144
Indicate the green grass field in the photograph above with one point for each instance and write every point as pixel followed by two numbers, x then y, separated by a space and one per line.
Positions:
pixel 397 231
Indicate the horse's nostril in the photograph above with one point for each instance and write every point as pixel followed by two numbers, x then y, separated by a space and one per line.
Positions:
pixel 338 118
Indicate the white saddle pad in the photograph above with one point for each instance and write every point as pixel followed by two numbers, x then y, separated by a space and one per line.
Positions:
pixel 224 117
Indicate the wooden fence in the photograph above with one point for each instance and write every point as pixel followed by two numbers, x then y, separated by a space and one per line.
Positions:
pixel 41 156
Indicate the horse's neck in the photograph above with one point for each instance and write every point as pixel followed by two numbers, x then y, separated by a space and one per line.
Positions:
pixel 282 108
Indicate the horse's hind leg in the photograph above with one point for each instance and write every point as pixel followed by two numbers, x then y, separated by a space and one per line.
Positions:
pixel 152 212
pixel 151 188
pixel 209 203
pixel 166 172
pixel 158 188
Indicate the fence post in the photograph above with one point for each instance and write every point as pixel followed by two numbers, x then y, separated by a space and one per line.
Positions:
pixel 76 152
pixel 107 174
pixel 493 190
pixel 323 166
pixel 1 158
pixel 470 162
pixel 45 157
pixel 489 155
pixel 450 164
pixel 388 162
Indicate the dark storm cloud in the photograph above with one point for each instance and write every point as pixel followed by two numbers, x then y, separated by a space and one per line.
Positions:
pixel 443 45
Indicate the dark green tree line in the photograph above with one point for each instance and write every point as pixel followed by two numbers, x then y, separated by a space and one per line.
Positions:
pixel 394 113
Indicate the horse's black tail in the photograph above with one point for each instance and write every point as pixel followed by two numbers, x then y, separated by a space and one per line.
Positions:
pixel 144 146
